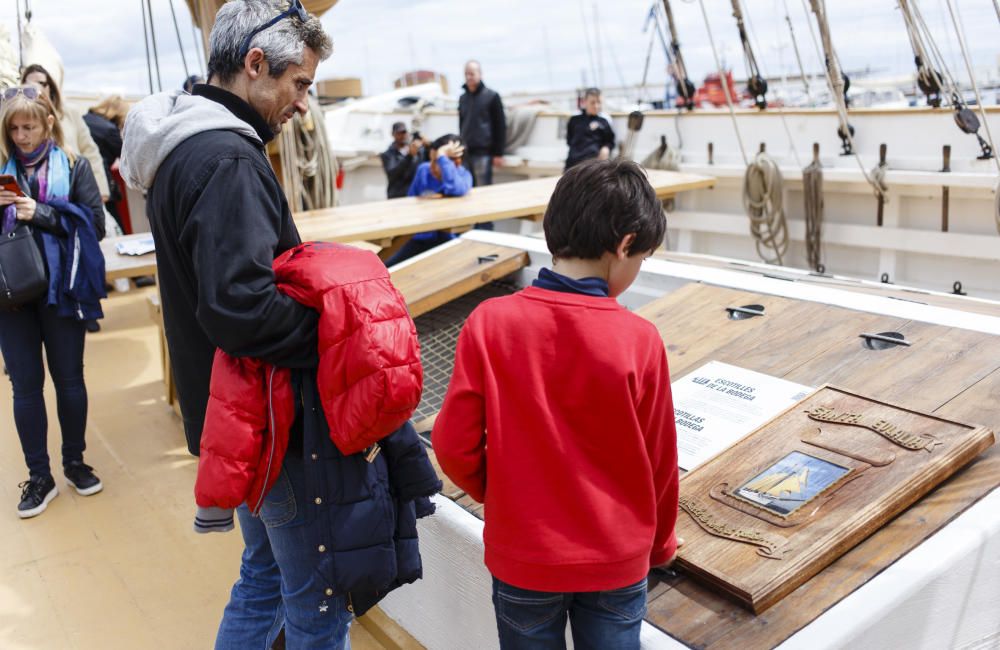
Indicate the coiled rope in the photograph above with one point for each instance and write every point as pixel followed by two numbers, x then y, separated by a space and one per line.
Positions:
pixel 762 201
pixel 309 171
pixel 812 187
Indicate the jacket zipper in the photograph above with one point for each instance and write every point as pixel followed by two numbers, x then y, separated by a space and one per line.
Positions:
pixel 270 458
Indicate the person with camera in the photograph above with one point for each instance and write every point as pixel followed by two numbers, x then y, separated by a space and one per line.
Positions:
pixel 443 175
pixel 53 194
pixel 401 159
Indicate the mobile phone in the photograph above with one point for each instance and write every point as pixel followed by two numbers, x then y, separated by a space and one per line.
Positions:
pixel 9 183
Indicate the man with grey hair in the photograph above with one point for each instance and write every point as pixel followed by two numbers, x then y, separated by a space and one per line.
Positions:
pixel 219 218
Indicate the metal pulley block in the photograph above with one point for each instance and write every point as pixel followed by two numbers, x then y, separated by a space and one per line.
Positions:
pixel 757 87
pixel 845 141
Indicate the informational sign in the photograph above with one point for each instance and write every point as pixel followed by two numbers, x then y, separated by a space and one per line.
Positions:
pixel 718 404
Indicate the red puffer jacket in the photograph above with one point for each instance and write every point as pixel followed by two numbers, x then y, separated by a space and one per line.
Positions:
pixel 369 375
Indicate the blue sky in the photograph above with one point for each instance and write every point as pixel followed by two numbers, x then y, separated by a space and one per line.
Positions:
pixel 523 44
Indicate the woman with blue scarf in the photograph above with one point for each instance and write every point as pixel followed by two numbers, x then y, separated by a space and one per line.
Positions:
pixel 60 202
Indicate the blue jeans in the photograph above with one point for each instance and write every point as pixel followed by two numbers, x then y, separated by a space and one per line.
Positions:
pixel 278 584
pixel 23 334
pixel 599 620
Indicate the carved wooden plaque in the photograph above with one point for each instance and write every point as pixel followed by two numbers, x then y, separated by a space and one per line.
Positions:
pixel 774 509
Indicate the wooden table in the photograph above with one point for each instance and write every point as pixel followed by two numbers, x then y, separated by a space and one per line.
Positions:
pixel 126 266
pixel 950 372
pixel 395 218
pixel 390 223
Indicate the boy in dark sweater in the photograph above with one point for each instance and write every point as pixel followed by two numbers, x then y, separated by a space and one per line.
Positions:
pixel 559 418
pixel 588 134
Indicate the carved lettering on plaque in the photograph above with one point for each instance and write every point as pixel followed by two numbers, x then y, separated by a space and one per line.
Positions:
pixel 769 546
pixel 884 428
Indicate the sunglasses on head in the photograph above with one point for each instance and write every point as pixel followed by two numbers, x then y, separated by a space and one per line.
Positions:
pixel 30 93
pixel 295 9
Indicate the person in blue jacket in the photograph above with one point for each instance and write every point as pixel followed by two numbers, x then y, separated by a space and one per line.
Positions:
pixel 442 175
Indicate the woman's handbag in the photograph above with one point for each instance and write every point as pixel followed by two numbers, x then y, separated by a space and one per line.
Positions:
pixel 22 269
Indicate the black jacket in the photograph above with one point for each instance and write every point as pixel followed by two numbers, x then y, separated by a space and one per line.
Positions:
pixel 109 142
pixel 400 169
pixel 367 515
pixel 481 121
pixel 585 135
pixel 83 191
pixel 219 218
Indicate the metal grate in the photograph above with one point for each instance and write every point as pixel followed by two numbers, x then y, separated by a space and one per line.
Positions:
pixel 438 333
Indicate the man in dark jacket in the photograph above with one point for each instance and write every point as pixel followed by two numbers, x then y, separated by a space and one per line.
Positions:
pixel 400 161
pixel 482 125
pixel 219 218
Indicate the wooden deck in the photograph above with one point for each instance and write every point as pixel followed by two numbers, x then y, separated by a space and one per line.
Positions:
pixel 122 569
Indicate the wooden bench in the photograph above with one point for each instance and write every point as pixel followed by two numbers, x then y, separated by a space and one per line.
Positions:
pixel 453 270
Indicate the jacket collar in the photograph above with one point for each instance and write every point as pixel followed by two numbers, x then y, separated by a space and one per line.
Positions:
pixel 479 88
pixel 237 107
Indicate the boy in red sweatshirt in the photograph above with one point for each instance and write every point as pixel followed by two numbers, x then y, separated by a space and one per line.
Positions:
pixel 559 418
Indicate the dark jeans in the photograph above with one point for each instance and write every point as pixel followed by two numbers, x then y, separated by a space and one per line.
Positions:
pixel 22 335
pixel 599 620
pixel 481 167
pixel 416 246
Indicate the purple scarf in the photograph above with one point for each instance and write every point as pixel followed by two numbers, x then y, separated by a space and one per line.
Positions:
pixel 33 158
pixel 37 159
pixel 9 218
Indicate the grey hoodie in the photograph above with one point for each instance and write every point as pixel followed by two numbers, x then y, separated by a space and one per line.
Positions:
pixel 156 125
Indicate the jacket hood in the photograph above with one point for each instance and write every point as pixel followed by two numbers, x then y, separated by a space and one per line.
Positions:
pixel 158 124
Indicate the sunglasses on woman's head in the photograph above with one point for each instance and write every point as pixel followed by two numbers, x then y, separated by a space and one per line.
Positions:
pixel 30 93
pixel 294 9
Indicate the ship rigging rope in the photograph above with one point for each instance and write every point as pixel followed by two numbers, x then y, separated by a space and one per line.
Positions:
pixel 156 56
pixel 979 101
pixel 145 37
pixel 180 43
pixel 723 82
pixel 781 109
pixel 756 84
pixel 972 77
pixel 832 71
pixel 812 187
pixel 199 57
pixel 928 77
pixel 798 56
pixel 684 86
pixel 762 182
